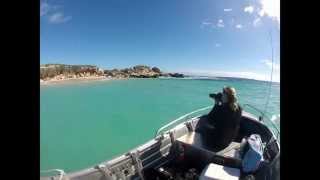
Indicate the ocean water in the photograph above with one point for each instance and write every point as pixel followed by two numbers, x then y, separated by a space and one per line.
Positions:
pixel 82 124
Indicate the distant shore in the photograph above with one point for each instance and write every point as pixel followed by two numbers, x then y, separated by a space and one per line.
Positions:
pixel 71 80
pixel 64 73
pixel 83 79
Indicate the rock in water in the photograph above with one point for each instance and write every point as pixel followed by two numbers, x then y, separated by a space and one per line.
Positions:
pixel 177 75
pixel 156 70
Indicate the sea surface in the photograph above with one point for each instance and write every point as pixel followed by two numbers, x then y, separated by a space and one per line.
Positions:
pixel 83 124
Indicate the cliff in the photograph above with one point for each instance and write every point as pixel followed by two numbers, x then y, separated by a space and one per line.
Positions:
pixel 63 71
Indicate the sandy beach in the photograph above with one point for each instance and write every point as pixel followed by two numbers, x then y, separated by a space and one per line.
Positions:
pixel 73 80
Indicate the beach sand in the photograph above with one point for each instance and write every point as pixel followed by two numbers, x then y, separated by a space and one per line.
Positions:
pixel 74 80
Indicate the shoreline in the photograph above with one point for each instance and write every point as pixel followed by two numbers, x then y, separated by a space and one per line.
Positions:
pixel 73 80
pixel 65 74
pixel 88 79
pixel 83 79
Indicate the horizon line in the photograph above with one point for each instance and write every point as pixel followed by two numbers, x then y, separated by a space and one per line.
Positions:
pixel 188 73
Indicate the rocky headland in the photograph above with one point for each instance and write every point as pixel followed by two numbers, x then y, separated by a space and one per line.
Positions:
pixel 59 72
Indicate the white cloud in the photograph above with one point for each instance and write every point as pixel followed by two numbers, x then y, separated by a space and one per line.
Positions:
pixel 261 13
pixel 265 8
pixel 218 45
pixel 220 23
pixel 270 8
pixel 267 62
pixel 52 13
pixel 44 8
pixel 227 10
pixel 256 22
pixel 205 23
pixel 59 17
pixel 239 74
pixel 276 70
pixel 239 26
pixel 263 75
pixel 232 21
pixel 249 9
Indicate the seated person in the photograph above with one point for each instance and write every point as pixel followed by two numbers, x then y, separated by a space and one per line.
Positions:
pixel 225 118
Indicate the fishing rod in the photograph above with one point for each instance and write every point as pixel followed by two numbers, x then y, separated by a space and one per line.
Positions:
pixel 271 76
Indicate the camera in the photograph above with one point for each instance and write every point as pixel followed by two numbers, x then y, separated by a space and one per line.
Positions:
pixel 216 96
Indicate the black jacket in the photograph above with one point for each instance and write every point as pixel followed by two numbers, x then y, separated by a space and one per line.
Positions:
pixel 226 124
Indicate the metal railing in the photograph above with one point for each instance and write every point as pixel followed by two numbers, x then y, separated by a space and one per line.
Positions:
pixel 60 172
pixel 265 119
pixel 186 116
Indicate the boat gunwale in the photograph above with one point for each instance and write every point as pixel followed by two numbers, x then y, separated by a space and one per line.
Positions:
pixel 149 145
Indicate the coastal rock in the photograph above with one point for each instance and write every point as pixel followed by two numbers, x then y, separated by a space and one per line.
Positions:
pixel 115 73
pixel 63 71
pixel 165 74
pixel 156 70
pixel 176 75
pixel 100 72
pixel 139 71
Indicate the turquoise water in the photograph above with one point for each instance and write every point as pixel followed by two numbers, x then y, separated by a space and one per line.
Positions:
pixel 83 124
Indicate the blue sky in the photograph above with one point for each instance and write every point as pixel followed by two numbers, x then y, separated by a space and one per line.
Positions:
pixel 204 37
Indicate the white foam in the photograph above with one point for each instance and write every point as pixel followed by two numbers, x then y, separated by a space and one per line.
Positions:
pixel 276 118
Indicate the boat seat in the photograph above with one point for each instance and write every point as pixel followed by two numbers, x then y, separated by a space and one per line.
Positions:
pixel 195 140
pixel 232 151
pixel 229 156
pixel 218 172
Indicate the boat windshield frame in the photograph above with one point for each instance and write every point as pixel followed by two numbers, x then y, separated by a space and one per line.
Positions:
pixel 262 117
pixel 265 119
pixel 187 116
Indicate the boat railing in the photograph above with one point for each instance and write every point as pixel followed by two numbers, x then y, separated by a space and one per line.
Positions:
pixel 187 116
pixel 60 172
pixel 265 119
